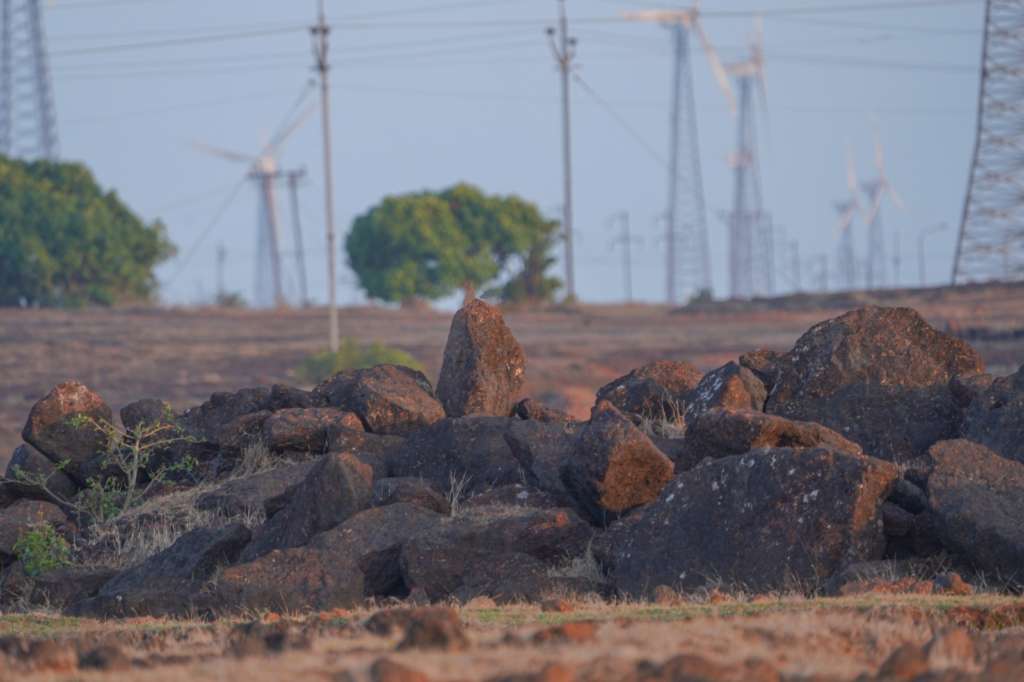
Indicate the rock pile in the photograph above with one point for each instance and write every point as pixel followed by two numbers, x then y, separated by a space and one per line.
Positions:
pixel 875 439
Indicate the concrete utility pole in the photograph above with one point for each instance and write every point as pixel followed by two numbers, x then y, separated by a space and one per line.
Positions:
pixel 222 257
pixel 625 239
pixel 321 33
pixel 300 252
pixel 564 50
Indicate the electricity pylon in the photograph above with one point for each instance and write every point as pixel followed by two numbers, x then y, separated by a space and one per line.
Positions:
pixel 28 122
pixel 751 234
pixel 991 241
pixel 688 254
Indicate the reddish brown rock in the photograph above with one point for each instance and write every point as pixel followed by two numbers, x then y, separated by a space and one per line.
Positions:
pixel 504 553
pixel 878 376
pixel 759 520
pixel 31 474
pixel 416 491
pixel 434 628
pixel 483 364
pixel 658 390
pixel 578 632
pixel 730 386
pixel 242 431
pixel 336 488
pixel 389 399
pixel 52 429
pixel 291 580
pixel 385 670
pixel 373 539
pixel 207 421
pixel 469 449
pixel 22 517
pixel 615 467
pixel 723 432
pixel 307 429
pixel 253 492
pixel 534 410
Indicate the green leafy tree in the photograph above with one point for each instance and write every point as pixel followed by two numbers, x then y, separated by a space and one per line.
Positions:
pixel 66 242
pixel 427 245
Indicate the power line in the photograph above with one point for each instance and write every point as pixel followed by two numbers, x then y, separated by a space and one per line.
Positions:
pixel 176 42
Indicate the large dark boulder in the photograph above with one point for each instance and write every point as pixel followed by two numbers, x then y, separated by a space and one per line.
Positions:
pixel 336 488
pixel 410 490
pixel 146 413
pixel 452 559
pixel 615 467
pixel 483 364
pixel 535 410
pixel 290 581
pixel 995 417
pixel 767 520
pixel 542 450
pixel 730 386
pixel 170 582
pixel 22 517
pixel 207 421
pixel 63 587
pixel 659 390
pixel 471 450
pixel 977 500
pixel 241 495
pixel 723 432
pixel 309 429
pixel 31 474
pixel 60 426
pixel 374 539
pixel 878 376
pixel 389 399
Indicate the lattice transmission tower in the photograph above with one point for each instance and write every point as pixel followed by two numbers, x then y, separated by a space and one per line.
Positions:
pixel 688 256
pixel 28 123
pixel 991 241
pixel 751 233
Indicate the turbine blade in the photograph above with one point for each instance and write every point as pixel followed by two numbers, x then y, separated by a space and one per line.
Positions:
pixel 721 75
pixel 283 135
pixel 223 153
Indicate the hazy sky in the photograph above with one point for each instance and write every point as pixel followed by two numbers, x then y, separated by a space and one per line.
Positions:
pixel 431 93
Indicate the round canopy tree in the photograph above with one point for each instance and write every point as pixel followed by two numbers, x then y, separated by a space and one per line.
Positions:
pixel 427 245
pixel 66 242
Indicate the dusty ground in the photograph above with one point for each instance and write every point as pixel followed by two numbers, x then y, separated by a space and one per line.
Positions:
pixel 185 355
pixel 796 638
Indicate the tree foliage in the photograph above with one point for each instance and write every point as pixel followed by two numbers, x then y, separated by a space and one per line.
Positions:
pixel 66 242
pixel 427 245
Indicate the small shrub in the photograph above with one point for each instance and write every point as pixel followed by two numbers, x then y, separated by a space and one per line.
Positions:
pixel 352 355
pixel 42 549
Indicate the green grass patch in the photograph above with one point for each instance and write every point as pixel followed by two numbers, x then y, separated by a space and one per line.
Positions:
pixel 352 355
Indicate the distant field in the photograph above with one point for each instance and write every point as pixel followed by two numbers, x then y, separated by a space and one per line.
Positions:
pixel 184 355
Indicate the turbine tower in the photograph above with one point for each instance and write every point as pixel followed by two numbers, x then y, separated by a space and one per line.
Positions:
pixel 848 211
pixel 877 189
pixel 751 236
pixel 264 171
pixel 991 241
pixel 28 123
pixel 688 254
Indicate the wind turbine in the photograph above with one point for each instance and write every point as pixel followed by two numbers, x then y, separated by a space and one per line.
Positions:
pixel 877 189
pixel 848 211
pixel 751 238
pixel 687 212
pixel 265 172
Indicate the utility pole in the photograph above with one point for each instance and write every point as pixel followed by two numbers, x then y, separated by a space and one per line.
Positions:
pixel 564 50
pixel 625 239
pixel 321 33
pixel 222 257
pixel 300 252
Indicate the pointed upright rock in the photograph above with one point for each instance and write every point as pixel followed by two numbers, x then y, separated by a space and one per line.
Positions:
pixel 483 364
